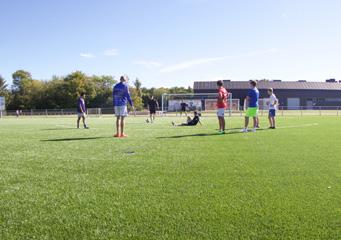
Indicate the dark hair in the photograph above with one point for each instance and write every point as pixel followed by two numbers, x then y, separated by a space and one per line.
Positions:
pixel 220 83
pixel 270 90
pixel 253 83
pixel 82 94
pixel 122 79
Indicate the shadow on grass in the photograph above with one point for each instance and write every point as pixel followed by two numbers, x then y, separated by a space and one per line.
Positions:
pixel 72 139
pixel 211 134
pixel 55 129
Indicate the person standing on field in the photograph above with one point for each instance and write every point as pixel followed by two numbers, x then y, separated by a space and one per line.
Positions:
pixel 221 105
pixel 273 102
pixel 81 110
pixel 121 98
pixel 152 105
pixel 252 106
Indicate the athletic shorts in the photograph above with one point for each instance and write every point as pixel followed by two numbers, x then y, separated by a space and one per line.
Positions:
pixel 81 114
pixel 252 112
pixel 272 113
pixel 121 111
pixel 221 112
pixel 152 111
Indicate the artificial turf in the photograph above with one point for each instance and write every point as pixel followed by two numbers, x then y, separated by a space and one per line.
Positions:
pixel 164 182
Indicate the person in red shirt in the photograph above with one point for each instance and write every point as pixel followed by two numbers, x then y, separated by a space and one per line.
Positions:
pixel 221 105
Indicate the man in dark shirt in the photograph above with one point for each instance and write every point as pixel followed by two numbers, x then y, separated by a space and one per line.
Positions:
pixel 183 109
pixel 190 121
pixel 81 110
pixel 152 105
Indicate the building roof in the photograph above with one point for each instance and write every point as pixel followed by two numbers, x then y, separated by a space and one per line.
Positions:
pixel 300 85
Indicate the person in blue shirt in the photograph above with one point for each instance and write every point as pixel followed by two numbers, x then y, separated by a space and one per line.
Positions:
pixel 252 106
pixel 81 110
pixel 121 98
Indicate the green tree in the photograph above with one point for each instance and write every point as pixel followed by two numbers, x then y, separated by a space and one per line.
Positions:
pixel 103 88
pixel 3 86
pixel 21 88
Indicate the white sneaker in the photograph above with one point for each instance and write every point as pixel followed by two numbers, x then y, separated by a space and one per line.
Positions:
pixel 253 130
pixel 244 130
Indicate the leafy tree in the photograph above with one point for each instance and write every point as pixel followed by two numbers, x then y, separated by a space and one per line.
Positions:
pixel 3 86
pixel 22 81
pixel 138 85
pixel 103 89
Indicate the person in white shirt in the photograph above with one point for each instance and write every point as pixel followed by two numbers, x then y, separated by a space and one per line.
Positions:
pixel 272 103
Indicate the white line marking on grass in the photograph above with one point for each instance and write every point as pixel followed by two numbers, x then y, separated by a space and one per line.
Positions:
pixel 298 126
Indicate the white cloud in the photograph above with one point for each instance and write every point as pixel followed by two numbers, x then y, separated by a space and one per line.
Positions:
pixel 149 64
pixel 190 64
pixel 111 52
pixel 87 55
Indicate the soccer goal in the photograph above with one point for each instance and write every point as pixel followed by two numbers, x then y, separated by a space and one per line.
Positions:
pixel 203 102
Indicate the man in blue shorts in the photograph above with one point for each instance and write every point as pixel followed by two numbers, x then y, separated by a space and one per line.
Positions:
pixel 273 102
pixel 121 98
pixel 252 103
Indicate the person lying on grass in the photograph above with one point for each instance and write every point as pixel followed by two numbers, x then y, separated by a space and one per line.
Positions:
pixel 190 121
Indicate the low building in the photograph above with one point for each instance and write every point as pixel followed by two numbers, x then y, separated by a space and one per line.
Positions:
pixel 290 94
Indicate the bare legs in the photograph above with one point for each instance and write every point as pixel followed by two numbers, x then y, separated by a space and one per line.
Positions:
pixel 221 124
pixel 247 120
pixel 152 117
pixel 120 126
pixel 272 122
pixel 83 120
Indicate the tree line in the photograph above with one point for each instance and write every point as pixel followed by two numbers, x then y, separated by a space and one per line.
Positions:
pixel 61 92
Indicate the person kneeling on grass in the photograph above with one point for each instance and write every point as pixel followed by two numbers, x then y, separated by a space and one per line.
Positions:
pixel 190 121
pixel 121 98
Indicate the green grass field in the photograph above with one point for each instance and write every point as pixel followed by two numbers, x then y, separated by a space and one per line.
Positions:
pixel 57 182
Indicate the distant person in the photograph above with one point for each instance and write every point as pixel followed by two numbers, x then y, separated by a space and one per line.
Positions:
pixel 221 105
pixel 17 113
pixel 121 98
pixel 190 121
pixel 252 106
pixel 272 103
pixel 81 110
pixel 183 108
pixel 152 105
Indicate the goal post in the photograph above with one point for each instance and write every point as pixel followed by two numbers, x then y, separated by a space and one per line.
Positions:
pixel 203 102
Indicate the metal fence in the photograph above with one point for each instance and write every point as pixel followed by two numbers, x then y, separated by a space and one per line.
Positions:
pixel 98 112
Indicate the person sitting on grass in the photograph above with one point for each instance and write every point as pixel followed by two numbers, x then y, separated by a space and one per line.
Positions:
pixel 190 121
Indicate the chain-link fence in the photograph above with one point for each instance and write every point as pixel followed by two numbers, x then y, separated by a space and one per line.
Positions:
pixel 98 112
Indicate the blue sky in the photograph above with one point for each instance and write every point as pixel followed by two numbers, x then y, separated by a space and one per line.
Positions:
pixel 173 43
